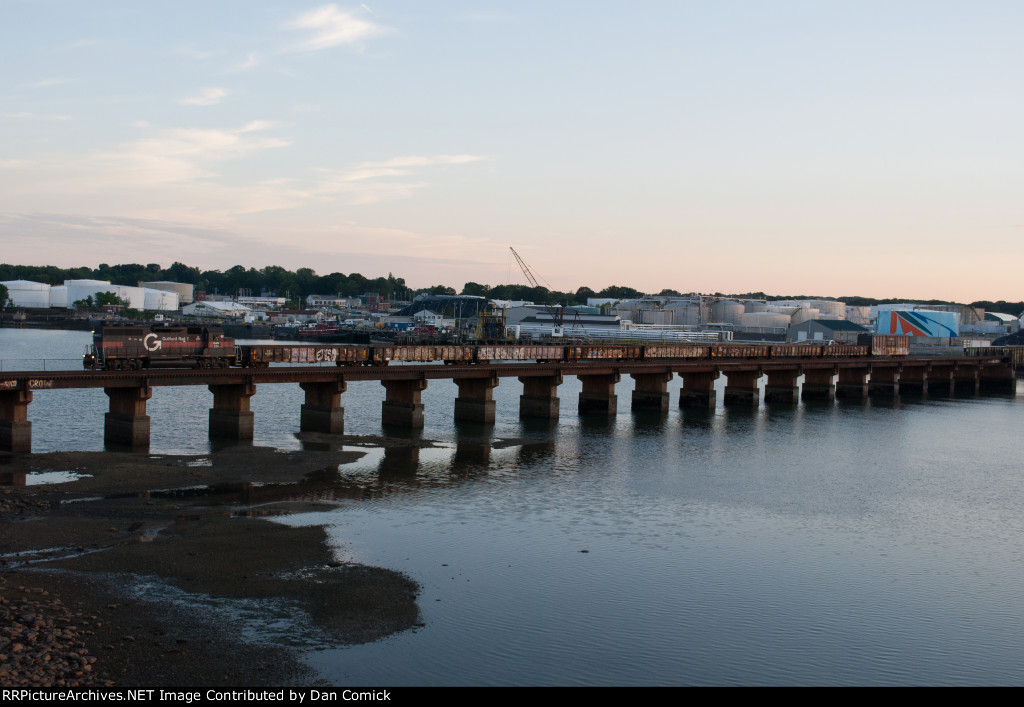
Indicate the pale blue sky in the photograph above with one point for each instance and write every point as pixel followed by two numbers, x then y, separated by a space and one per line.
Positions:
pixel 828 148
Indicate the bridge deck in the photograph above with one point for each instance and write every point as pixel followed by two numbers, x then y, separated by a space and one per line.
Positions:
pixel 313 373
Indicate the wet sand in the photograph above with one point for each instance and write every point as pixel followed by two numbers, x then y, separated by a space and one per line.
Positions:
pixel 164 569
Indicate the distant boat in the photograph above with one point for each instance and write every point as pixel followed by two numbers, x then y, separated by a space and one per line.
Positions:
pixel 319 329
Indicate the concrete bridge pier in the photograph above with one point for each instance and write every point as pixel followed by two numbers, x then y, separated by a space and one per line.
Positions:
pixel 914 380
pixel 940 379
pixel 402 406
pixel 741 388
pixel 966 380
pixel 322 411
pixel 999 378
pixel 540 396
pixel 475 402
pixel 598 395
pixel 230 416
pixel 127 422
pixel 884 382
pixel 15 429
pixel 818 385
pixel 651 391
pixel 698 390
pixel 781 386
pixel 853 384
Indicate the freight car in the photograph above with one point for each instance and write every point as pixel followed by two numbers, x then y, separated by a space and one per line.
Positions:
pixel 133 346
pixel 259 356
pixel 138 346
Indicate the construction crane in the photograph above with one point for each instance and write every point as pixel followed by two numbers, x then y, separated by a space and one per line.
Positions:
pixel 556 313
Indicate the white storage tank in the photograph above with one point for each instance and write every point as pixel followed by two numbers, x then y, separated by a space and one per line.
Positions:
pixel 830 307
pixel 858 315
pixel 656 316
pixel 81 289
pixel 186 292
pixel 788 310
pixel 689 312
pixel 727 312
pixel 753 320
pixel 802 315
pixel 160 300
pixel 25 293
pixel 625 312
pixel 58 297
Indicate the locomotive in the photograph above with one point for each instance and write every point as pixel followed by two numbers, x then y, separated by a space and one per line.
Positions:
pixel 136 346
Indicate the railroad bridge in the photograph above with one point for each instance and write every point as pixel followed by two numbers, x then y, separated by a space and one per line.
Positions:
pixel 127 424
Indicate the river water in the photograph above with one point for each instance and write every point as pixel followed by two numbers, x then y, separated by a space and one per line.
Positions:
pixel 843 544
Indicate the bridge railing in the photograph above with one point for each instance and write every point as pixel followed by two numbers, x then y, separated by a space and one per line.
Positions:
pixel 8 365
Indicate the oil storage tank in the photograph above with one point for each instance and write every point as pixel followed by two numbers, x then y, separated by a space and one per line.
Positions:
pixel 160 300
pixel 727 312
pixel 25 293
pixel 58 297
pixel 82 289
pixel 186 291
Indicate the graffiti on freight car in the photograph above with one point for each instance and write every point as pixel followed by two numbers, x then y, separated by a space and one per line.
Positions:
pixel 305 354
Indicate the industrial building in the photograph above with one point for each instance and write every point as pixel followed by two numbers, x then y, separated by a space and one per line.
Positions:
pixel 215 310
pixel 838 330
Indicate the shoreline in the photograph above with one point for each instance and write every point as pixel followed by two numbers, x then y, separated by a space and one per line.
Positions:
pixel 137 575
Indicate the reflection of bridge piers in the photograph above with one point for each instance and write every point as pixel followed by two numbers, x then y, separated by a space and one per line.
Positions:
pixel 15 428
pixel 231 419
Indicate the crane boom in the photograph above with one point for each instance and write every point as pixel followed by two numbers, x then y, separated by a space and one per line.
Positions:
pixel 525 268
pixel 555 316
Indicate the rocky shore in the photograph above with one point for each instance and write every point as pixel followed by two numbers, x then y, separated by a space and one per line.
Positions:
pixel 165 571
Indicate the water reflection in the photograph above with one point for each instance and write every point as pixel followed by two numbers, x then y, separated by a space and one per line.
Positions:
pixel 472 449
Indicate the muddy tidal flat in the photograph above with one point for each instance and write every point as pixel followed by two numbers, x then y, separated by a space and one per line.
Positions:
pixel 142 570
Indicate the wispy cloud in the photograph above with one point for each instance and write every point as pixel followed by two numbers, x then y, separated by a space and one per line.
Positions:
pixel 371 182
pixel 183 158
pixel 332 27
pixel 83 238
pixel 425 160
pixel 24 115
pixel 252 60
pixel 46 83
pixel 206 97
pixel 183 154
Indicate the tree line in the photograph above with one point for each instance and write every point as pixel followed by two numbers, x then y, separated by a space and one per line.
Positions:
pixel 297 285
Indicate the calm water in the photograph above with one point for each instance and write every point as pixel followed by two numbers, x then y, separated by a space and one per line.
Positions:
pixel 839 544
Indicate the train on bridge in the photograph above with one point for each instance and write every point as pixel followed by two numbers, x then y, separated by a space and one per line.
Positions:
pixel 134 347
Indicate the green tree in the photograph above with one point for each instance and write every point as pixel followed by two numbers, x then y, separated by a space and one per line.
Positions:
pixel 619 292
pixel 475 289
